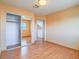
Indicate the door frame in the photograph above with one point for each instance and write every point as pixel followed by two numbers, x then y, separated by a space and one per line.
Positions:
pixel 19 27
pixel 44 32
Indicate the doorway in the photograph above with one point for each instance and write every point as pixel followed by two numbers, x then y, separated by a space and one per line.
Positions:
pixel 40 29
pixel 13 33
pixel 26 32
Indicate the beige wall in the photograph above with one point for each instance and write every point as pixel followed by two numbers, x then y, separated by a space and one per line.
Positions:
pixel 8 9
pixel 63 27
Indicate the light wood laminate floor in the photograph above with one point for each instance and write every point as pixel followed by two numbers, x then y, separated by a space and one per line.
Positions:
pixel 41 50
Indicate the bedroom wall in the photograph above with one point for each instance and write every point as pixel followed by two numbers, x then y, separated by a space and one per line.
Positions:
pixel 63 28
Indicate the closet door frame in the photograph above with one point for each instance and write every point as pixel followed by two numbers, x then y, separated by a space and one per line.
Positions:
pixel 18 23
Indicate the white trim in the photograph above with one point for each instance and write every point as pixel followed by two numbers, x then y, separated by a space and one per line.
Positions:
pixel 45 29
pixel 0 36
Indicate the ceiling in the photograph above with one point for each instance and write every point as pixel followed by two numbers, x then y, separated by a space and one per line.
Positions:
pixel 51 7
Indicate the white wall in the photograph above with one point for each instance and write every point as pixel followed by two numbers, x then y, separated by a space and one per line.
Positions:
pixel 33 31
pixel 0 35
pixel 65 33
pixel 2 31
